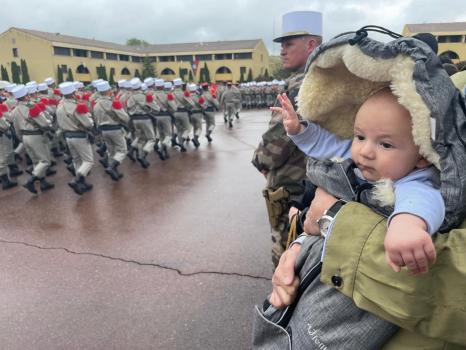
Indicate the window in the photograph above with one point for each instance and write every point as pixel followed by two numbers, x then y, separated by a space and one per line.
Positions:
pixel 64 68
pixel 167 59
pixel 184 58
pixel 125 71
pixel 97 54
pixel 124 58
pixel 62 51
pixel 152 59
pixel 135 59
pixel 15 52
pixel 456 38
pixel 223 70
pixel 112 56
pixel 204 57
pixel 82 69
pixel 243 56
pixel 223 56
pixel 79 53
pixel 168 71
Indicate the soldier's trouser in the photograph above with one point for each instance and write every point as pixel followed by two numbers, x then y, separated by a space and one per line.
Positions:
pixel 230 109
pixel 81 152
pixel 164 129
pixel 5 150
pixel 237 106
pixel 9 149
pixel 37 147
pixel 269 100
pixel 248 101
pixel 279 238
pixel 196 120
pixel 183 126
pixel 210 121
pixel 116 144
pixel 145 134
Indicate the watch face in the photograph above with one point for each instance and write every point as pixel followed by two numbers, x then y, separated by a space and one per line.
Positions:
pixel 324 224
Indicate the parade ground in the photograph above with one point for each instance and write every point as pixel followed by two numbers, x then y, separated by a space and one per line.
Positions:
pixel 171 257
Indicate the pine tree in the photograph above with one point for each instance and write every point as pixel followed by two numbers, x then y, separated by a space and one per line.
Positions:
pixel 190 77
pixel 241 77
pixel 24 71
pixel 147 68
pixel 249 75
pixel 70 75
pixel 206 72
pixel 111 80
pixel 59 75
pixel 15 73
pixel 5 74
pixel 266 75
pixel 137 74
pixel 102 72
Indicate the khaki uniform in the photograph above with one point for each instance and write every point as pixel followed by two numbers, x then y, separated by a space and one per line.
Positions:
pixel 238 100
pixel 32 133
pixel 75 127
pixel 110 122
pixel 197 116
pixel 227 101
pixel 285 166
pixel 184 105
pixel 163 119
pixel 140 110
pixel 5 144
pixel 210 106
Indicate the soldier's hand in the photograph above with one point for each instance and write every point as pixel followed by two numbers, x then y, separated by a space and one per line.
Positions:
pixel 289 115
pixel 284 281
pixel 292 212
pixel 321 202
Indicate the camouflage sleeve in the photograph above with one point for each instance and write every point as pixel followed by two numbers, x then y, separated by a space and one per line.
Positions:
pixel 275 148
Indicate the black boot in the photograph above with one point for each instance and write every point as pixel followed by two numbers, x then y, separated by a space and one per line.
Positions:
pixel 14 170
pixel 196 141
pixel 76 185
pixel 29 169
pixel 104 162
pixel 18 157
pixel 113 171
pixel 159 152
pixel 70 168
pixel 68 159
pixel 86 186
pixel 102 149
pixel 7 183
pixel 45 186
pixel 165 152
pixel 30 184
pixel 50 172
pixel 230 124
pixel 143 161
pixel 225 119
pixel 56 152
pixel 208 137
pixel 237 115
pixel 28 160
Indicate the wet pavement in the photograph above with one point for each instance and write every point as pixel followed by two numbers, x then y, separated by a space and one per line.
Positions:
pixel 171 257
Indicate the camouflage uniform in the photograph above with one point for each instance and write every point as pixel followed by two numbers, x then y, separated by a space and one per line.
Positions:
pixel 285 166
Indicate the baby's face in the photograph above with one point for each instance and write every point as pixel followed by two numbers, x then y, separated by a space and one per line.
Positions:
pixel 383 145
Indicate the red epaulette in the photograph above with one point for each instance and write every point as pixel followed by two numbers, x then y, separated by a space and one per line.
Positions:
pixel 201 100
pixel 170 97
pixel 149 98
pixel 186 93
pixel 81 108
pixel 116 104
pixel 34 111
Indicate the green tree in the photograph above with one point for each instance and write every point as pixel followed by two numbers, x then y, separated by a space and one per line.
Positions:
pixel 15 73
pixel 59 75
pixel 266 75
pixel 249 75
pixel 137 74
pixel 136 42
pixel 182 73
pixel 206 72
pixel 102 72
pixel 111 80
pixel 70 75
pixel 4 74
pixel 241 76
pixel 24 71
pixel 190 77
pixel 147 68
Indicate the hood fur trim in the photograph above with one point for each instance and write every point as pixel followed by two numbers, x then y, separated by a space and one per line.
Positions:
pixel 384 192
pixel 341 78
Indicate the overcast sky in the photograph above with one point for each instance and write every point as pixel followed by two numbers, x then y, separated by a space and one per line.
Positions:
pixel 176 21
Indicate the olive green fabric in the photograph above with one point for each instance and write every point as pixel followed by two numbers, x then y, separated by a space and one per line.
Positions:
pixel 431 305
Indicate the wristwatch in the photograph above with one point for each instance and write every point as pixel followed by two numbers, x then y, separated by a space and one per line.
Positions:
pixel 329 215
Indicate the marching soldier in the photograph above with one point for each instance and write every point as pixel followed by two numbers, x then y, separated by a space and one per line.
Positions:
pixel 238 99
pixel 30 125
pixel 164 116
pixel 76 123
pixel 184 106
pixel 196 113
pixel 210 106
pixel 140 108
pixel 6 148
pixel 227 101
pixel 110 118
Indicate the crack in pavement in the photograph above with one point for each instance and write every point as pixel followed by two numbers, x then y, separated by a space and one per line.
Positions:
pixel 179 272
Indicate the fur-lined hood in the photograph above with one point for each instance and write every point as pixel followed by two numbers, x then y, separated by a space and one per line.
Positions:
pixel 340 77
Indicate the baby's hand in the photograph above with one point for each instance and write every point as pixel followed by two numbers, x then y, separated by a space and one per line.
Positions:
pixel 408 243
pixel 290 118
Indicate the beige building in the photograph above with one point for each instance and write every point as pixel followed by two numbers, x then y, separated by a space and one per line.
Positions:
pixel 451 37
pixel 46 53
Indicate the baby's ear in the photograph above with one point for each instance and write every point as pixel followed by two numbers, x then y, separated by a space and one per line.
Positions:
pixel 422 163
